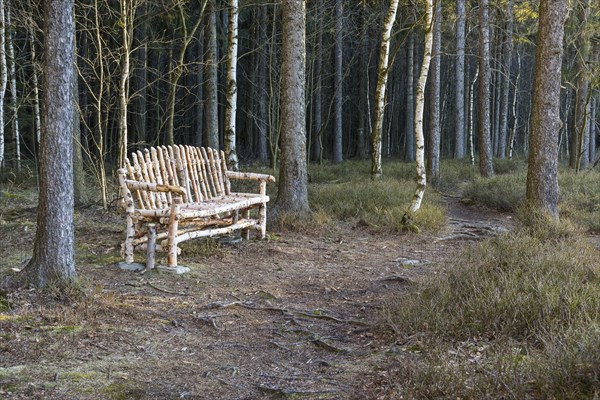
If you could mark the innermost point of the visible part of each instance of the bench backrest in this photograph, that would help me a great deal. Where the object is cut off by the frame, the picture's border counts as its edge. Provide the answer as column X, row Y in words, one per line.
column 201, row 171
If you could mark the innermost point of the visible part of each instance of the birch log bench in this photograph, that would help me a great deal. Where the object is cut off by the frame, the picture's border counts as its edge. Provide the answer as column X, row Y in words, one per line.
column 176, row 193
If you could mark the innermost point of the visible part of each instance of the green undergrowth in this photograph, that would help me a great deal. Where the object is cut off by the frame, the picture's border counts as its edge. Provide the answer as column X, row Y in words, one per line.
column 579, row 199
column 514, row 317
column 346, row 192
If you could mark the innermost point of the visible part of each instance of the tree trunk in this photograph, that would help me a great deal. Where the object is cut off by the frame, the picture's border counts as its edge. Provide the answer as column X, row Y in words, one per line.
column 363, row 71
column 3, row 77
column 53, row 260
column 79, row 178
column 507, row 62
column 262, row 126
column 36, row 91
column 582, row 86
column 485, row 144
column 338, row 85
column 317, row 145
column 231, row 102
column 292, row 196
column 433, row 155
column 592, row 128
column 472, row 117
column 409, row 150
column 14, row 102
column 421, row 177
column 542, row 172
column 459, row 133
column 211, row 95
column 200, row 92
column 126, row 23
column 382, row 77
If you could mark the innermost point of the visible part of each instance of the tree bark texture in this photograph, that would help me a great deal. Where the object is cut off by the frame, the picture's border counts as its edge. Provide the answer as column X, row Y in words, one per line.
column 231, row 102
column 3, row 77
column 292, row 196
column 506, row 68
column 433, row 155
column 409, row 149
column 542, row 172
column 421, row 177
column 459, row 130
column 484, row 94
column 211, row 95
column 53, row 253
column 382, row 77
column 14, row 98
column 338, row 101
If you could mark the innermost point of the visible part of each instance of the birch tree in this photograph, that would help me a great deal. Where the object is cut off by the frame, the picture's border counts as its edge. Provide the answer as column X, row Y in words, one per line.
column 231, row 102
column 382, row 77
column 127, row 8
column 421, row 177
column 14, row 100
column 3, row 77
column 542, row 171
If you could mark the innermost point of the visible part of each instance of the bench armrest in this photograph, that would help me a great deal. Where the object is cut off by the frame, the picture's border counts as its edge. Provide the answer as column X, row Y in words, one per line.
column 250, row 176
column 154, row 187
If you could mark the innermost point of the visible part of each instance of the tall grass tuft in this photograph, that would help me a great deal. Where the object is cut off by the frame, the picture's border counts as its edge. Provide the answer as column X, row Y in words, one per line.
column 515, row 317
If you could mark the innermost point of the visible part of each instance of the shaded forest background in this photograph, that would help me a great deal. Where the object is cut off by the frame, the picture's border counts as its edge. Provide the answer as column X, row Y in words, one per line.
column 164, row 63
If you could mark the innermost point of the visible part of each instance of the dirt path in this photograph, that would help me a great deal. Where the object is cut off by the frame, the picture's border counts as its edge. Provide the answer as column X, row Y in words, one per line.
column 290, row 317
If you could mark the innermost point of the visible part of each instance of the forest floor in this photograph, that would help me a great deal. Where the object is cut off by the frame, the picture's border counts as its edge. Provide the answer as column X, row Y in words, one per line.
column 295, row 316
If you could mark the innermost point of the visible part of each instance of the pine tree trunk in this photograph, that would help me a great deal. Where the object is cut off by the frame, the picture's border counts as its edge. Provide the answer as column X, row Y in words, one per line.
column 542, row 172
column 459, row 132
column 421, row 177
column 36, row 88
column 317, row 145
column 582, row 86
column 200, row 92
column 338, row 80
column 79, row 178
column 141, row 78
column 211, row 95
column 486, row 168
column 53, row 260
column 262, row 126
column 231, row 102
column 292, row 196
column 433, row 155
column 592, row 127
column 507, row 63
column 409, row 150
column 382, row 77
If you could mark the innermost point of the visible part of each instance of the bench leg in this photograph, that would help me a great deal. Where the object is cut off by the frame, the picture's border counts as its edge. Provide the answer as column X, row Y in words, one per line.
column 246, row 232
column 151, row 250
column 262, row 220
column 128, row 244
column 173, row 228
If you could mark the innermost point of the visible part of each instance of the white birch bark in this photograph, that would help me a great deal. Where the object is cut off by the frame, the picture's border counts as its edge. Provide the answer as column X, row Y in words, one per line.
column 421, row 177
column 3, row 77
column 14, row 104
column 382, row 76
column 231, row 102
column 127, row 12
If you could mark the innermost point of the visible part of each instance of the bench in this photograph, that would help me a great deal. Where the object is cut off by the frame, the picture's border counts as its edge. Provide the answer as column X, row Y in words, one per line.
column 172, row 194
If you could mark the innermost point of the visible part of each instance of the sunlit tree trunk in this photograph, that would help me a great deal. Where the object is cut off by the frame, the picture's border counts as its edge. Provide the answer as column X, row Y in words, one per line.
column 14, row 101
column 53, row 260
column 459, row 133
column 421, row 177
column 542, row 172
column 292, row 196
column 433, row 154
column 127, row 8
column 3, row 77
column 484, row 94
column 382, row 77
column 231, row 102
